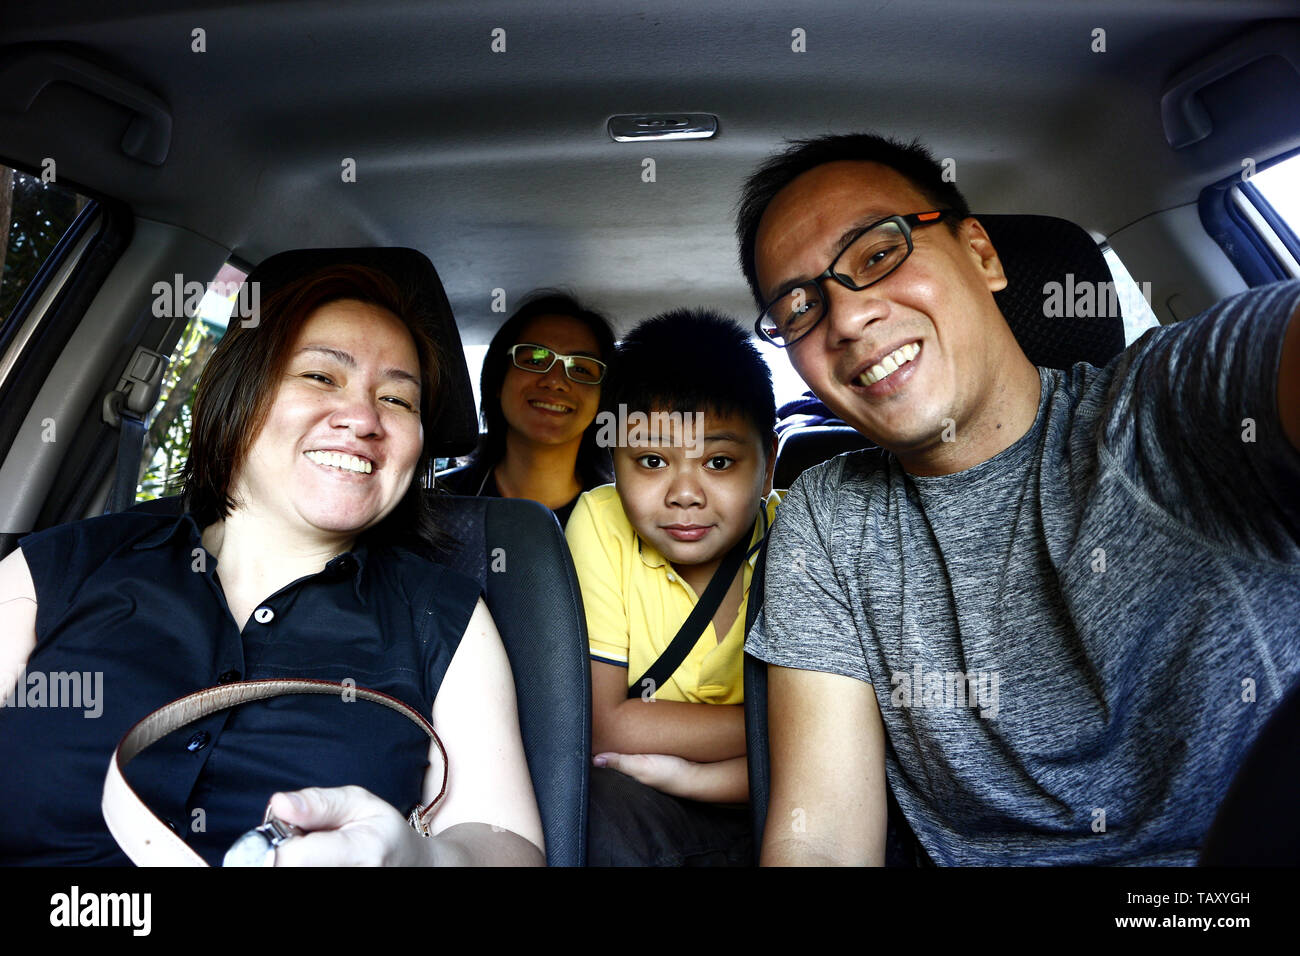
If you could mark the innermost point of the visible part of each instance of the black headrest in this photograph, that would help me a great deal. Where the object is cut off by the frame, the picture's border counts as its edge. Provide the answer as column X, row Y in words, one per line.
column 1036, row 250
column 454, row 429
column 803, row 446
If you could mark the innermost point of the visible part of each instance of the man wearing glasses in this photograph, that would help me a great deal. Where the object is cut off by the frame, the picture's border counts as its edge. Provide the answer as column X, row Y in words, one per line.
column 1053, row 609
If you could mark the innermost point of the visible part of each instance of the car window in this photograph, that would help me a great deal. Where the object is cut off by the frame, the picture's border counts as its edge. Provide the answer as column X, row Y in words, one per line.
column 1270, row 202
column 786, row 383
column 1279, row 186
column 474, row 355
column 34, row 216
column 167, row 440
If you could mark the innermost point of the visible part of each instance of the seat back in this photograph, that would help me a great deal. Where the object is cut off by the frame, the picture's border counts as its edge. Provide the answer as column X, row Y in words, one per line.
column 515, row 549
column 1037, row 251
column 802, row 446
column 758, row 755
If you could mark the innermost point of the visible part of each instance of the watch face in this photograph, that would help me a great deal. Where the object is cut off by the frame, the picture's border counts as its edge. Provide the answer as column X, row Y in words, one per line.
column 257, row 846
column 254, row 848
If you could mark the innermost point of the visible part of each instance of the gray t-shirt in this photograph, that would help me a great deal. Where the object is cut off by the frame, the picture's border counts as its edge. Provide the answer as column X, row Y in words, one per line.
column 1074, row 643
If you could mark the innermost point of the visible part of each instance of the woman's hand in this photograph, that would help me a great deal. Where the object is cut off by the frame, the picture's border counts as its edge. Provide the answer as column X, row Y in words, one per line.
column 349, row 826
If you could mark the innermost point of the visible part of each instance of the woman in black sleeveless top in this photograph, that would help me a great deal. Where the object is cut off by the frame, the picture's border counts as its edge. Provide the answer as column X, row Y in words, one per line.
column 303, row 552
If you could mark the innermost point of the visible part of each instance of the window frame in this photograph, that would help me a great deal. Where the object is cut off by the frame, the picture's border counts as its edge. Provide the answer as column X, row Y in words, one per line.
column 1232, row 211
column 105, row 226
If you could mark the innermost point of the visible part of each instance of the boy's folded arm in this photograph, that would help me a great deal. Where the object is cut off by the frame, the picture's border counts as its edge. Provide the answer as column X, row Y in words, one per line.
column 698, row 732
column 722, row 781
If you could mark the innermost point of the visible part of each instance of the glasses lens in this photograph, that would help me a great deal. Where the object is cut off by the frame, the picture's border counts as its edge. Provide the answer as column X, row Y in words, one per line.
column 533, row 358
column 585, row 370
column 793, row 314
column 873, row 255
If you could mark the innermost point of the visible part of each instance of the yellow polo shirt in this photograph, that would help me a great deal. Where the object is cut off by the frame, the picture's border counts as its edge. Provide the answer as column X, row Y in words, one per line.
column 635, row 603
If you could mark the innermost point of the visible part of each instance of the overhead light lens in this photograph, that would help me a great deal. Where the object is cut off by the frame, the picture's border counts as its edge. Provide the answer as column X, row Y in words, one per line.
column 638, row 127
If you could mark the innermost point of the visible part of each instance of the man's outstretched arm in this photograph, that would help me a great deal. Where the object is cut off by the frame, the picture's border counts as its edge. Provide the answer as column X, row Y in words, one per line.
column 1288, row 383
column 827, row 805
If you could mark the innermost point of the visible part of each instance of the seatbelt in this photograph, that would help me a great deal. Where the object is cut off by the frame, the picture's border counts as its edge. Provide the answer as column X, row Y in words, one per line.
column 130, row 446
column 689, row 633
column 126, row 408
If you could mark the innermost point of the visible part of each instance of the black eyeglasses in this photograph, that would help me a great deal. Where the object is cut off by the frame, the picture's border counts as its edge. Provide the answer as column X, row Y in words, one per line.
column 582, row 369
column 875, row 252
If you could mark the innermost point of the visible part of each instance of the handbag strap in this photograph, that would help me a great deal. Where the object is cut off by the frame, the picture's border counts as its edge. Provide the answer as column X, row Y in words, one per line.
column 689, row 633
column 143, row 836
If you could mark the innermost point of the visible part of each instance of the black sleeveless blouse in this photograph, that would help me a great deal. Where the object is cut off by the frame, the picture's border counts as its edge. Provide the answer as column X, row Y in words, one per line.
column 131, row 616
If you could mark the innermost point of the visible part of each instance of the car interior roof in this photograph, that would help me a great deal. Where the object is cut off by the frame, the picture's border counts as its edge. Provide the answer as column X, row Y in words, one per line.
column 498, row 165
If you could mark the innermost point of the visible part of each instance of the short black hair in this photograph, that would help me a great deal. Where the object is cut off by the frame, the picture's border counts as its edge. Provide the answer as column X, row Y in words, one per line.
column 911, row 160
column 691, row 360
column 593, row 465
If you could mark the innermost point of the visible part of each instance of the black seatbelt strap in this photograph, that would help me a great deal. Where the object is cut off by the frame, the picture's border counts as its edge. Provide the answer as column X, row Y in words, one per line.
column 130, row 446
column 689, row 633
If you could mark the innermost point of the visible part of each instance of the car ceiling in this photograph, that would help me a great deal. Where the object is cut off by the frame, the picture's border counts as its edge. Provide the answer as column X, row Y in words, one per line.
column 499, row 167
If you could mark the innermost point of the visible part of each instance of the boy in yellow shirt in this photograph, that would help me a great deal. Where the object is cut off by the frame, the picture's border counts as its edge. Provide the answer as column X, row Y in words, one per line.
column 664, row 559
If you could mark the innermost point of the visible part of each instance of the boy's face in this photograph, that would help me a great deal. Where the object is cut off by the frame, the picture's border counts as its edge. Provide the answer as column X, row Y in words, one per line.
column 694, row 509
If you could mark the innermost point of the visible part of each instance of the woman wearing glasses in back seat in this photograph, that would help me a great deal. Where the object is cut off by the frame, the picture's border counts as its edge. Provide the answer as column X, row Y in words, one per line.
column 304, row 552
column 540, row 391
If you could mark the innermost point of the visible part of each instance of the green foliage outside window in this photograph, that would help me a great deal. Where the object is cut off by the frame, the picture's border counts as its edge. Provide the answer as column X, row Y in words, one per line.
column 167, row 442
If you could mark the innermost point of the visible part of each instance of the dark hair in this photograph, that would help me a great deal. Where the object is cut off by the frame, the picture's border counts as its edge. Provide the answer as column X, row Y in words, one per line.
column 689, row 360
column 911, row 160
column 593, row 465
column 239, row 383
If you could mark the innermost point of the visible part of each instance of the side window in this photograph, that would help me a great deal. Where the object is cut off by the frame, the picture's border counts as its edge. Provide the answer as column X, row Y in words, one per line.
column 167, row 440
column 474, row 356
column 1254, row 216
column 787, row 386
column 1274, row 192
column 34, row 217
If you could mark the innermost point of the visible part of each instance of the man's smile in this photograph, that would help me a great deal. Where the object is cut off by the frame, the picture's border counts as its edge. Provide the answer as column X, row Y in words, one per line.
column 887, row 371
